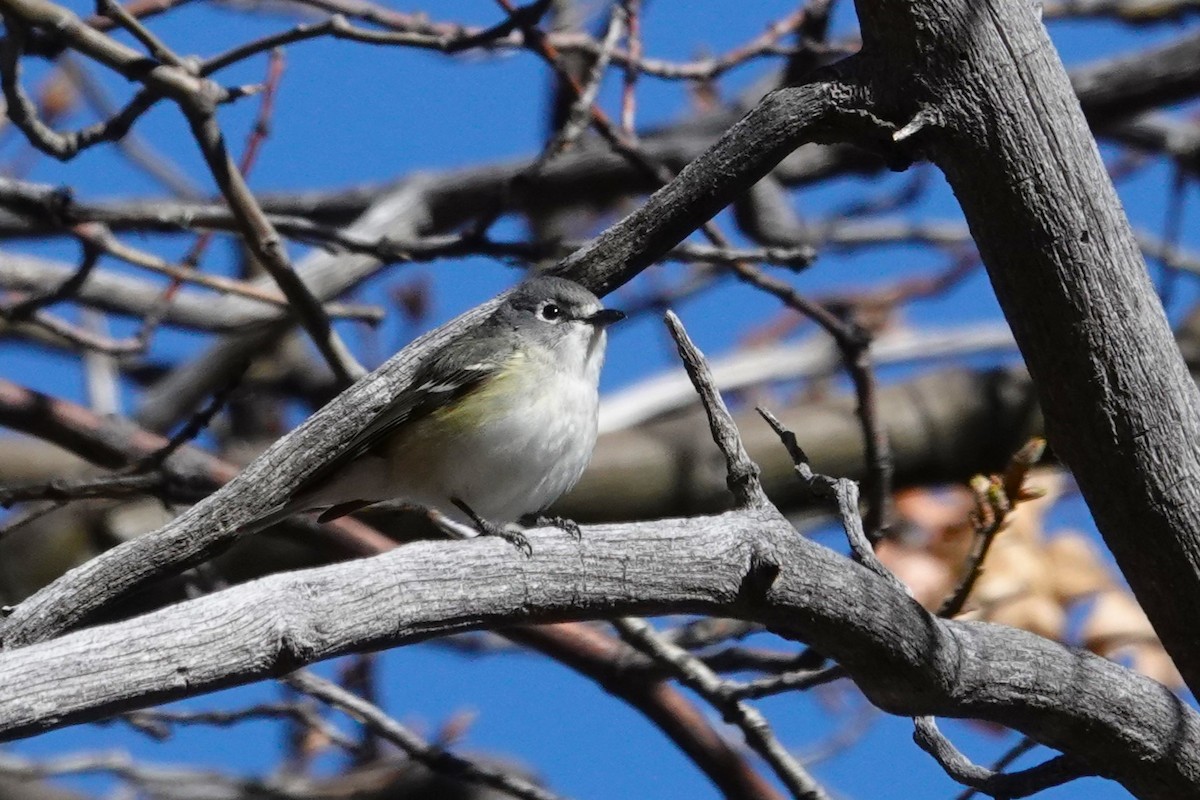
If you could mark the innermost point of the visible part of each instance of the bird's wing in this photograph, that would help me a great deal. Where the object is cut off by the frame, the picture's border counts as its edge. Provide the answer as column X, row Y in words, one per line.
column 459, row 369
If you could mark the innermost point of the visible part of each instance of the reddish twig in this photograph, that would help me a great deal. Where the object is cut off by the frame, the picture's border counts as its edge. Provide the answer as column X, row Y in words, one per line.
column 995, row 498
column 633, row 23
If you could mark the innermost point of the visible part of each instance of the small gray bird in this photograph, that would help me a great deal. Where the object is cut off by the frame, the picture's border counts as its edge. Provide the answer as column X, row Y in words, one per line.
column 497, row 425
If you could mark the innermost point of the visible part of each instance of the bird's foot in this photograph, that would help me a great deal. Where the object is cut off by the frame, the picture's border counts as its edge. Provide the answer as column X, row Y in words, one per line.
column 568, row 526
column 513, row 535
column 509, row 533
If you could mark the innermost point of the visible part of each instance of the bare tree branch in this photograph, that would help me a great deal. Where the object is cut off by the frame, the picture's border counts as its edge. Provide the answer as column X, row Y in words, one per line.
column 1119, row 724
column 754, row 726
column 1055, row 772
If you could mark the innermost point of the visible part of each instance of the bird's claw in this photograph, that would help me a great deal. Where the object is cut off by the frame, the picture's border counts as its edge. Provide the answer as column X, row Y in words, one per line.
column 509, row 533
column 514, row 536
column 568, row 526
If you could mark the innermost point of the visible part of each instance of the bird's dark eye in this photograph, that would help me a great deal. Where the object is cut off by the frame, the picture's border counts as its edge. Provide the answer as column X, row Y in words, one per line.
column 551, row 311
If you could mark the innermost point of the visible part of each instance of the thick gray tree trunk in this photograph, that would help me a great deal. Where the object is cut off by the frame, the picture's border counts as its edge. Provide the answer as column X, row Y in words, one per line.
column 1001, row 121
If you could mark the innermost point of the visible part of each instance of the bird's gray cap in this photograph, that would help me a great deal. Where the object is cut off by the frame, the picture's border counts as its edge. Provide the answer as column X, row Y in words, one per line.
column 575, row 301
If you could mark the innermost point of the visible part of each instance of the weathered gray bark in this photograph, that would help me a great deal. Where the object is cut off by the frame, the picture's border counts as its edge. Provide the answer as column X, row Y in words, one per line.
column 1000, row 119
column 1119, row 724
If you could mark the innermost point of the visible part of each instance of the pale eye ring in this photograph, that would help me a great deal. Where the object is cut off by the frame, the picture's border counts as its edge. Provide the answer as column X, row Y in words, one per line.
column 551, row 312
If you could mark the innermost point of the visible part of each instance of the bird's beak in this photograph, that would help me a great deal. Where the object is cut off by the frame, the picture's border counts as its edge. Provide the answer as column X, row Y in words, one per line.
column 605, row 317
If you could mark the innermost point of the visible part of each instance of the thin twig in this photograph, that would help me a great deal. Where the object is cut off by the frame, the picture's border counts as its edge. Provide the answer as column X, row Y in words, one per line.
column 759, row 659
column 265, row 244
column 158, row 722
column 452, row 38
column 844, row 494
column 699, row 678
column 148, row 778
column 22, row 112
column 155, row 46
column 1023, row 746
column 100, row 236
column 708, row 631
column 1055, row 772
column 194, row 426
column 994, row 500
column 141, row 9
column 577, row 117
column 82, row 338
column 63, row 490
column 26, row 516
column 26, row 309
column 432, row 756
column 740, row 471
column 633, row 25
column 257, row 136
column 139, row 152
column 797, row 680
column 854, row 343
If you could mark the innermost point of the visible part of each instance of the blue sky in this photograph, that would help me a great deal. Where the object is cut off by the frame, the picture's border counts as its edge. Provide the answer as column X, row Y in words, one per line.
column 350, row 114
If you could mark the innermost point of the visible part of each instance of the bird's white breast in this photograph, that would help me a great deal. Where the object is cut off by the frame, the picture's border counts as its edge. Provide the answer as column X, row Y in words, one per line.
column 533, row 434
